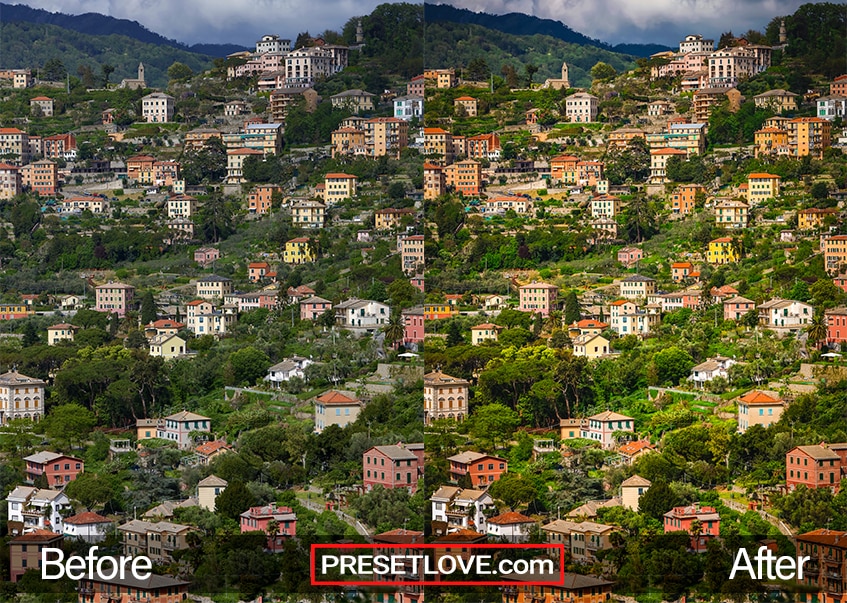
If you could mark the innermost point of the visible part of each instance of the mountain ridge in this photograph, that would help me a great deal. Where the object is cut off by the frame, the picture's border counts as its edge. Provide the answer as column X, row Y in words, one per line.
column 521, row 25
column 97, row 24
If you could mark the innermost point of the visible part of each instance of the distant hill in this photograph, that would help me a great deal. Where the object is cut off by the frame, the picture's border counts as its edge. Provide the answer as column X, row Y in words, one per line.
column 525, row 25
column 99, row 25
column 453, row 45
column 32, row 45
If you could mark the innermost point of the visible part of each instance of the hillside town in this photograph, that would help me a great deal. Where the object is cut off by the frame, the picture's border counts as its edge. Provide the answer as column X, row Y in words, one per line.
column 212, row 315
column 636, row 312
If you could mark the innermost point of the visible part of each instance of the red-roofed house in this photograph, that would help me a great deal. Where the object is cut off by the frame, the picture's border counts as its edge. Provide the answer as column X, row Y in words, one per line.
column 483, row 469
column 335, row 408
column 58, row 469
column 258, row 271
column 25, row 551
column 514, row 527
column 758, row 408
column 681, row 270
column 209, row 450
column 87, row 526
column 819, row 466
column 632, row 451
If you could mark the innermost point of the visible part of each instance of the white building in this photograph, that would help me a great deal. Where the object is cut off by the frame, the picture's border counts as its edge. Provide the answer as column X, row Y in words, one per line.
column 305, row 66
column 713, row 367
column 408, row 107
column 35, row 508
column 287, row 369
column 784, row 315
column 178, row 427
column 696, row 43
column 272, row 43
column 157, row 107
column 88, row 526
column 21, row 397
column 830, row 107
column 581, row 107
column 361, row 316
column 514, row 527
column 461, row 509
column 602, row 426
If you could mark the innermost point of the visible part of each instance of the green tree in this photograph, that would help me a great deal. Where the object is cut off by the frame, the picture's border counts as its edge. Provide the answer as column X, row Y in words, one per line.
column 179, row 71
column 247, row 365
column 92, row 489
column 148, row 308
column 30, row 335
column 69, row 424
column 234, row 500
column 603, row 71
column 658, row 500
column 107, row 70
column 402, row 293
column 395, row 330
column 53, row 70
column 514, row 489
column 672, row 364
column 477, row 70
column 572, row 310
column 817, row 329
column 493, row 424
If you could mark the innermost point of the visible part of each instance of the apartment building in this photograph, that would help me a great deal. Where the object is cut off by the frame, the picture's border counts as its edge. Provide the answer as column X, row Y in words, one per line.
column 178, row 428
column 411, row 253
column 308, row 213
column 808, row 136
column 537, row 298
column 637, row 287
column 391, row 467
column 41, row 176
column 14, row 144
column 659, row 161
column 58, row 469
column 835, row 253
column 729, row 66
column 435, row 183
column 213, row 287
column 731, row 213
column 338, row 187
column 156, row 540
column 818, row 466
column 157, row 107
column 445, row 397
column 581, row 107
column 298, row 251
column 464, row 177
column 113, row 298
column 235, row 163
column 10, row 181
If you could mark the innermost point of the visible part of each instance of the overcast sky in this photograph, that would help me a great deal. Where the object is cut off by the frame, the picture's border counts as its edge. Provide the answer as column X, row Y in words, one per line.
column 220, row 21
column 657, row 21
column 613, row 21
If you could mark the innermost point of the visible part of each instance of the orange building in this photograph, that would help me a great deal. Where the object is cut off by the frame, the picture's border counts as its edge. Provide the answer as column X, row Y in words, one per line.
column 434, row 184
column 575, row 589
column 41, row 176
column 771, row 141
column 25, row 551
column 683, row 199
column 138, row 164
column 563, row 167
column 439, row 144
column 465, row 177
column 155, row 589
column 259, row 201
column 483, row 469
column 809, row 136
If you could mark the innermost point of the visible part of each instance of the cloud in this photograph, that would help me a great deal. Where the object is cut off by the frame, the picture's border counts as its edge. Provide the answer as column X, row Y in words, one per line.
column 659, row 21
column 221, row 21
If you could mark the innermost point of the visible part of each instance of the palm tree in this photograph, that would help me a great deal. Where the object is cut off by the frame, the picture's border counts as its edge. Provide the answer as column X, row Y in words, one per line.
column 817, row 329
column 395, row 330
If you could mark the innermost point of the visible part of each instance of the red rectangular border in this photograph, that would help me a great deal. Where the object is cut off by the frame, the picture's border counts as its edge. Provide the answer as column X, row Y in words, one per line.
column 314, row 582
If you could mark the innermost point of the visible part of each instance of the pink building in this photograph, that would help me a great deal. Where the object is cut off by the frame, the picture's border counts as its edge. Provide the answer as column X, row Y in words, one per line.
column 313, row 307
column 537, row 298
column 113, row 298
column 391, row 467
column 257, row 519
column 680, row 519
column 841, row 281
column 206, row 255
column 628, row 256
column 58, row 469
column 602, row 427
column 418, row 282
column 736, row 307
column 413, row 324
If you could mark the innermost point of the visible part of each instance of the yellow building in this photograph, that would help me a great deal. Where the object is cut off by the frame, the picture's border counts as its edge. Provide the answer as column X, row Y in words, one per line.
column 485, row 332
column 438, row 143
column 447, row 78
column 812, row 219
column 338, row 187
column 761, row 187
column 147, row 428
column 298, row 251
column 468, row 103
column 722, row 251
column 777, row 100
column 730, row 213
column 809, row 136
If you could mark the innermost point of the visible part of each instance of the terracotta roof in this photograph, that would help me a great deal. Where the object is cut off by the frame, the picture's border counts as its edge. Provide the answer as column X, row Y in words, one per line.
column 334, row 397
column 511, row 518
column 207, row 448
column 631, row 448
column 87, row 518
column 762, row 175
column 759, row 397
